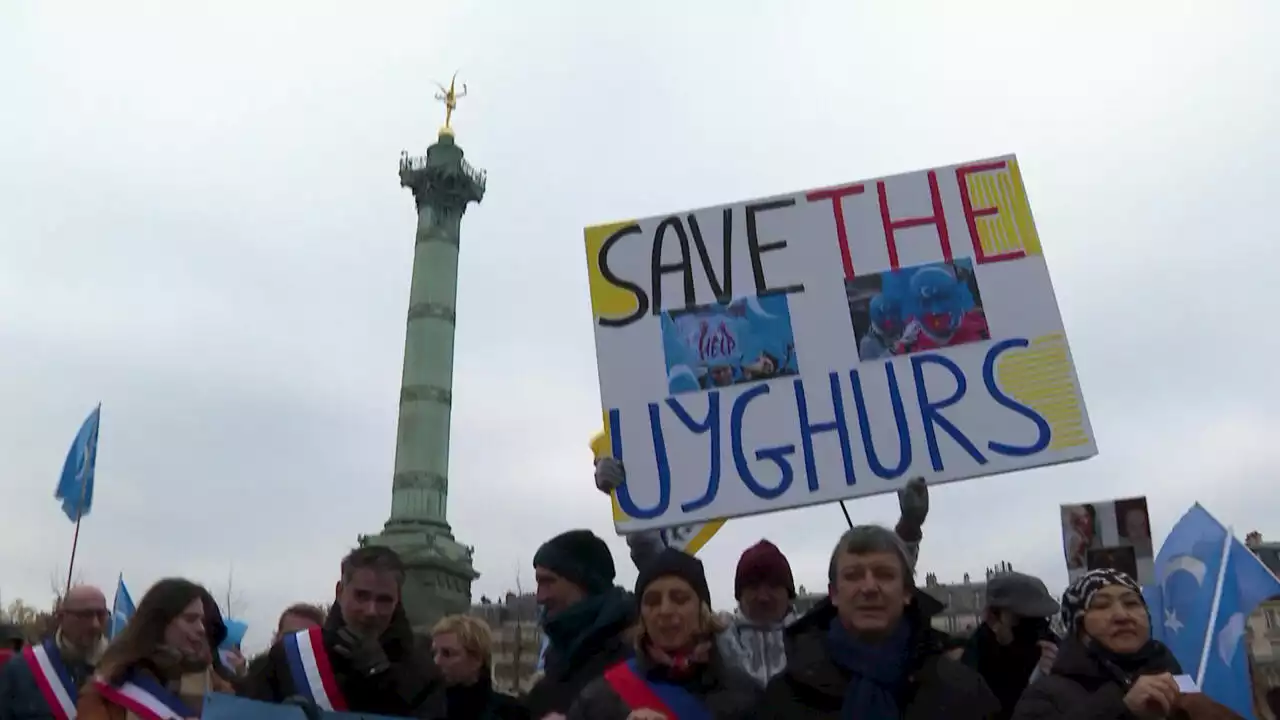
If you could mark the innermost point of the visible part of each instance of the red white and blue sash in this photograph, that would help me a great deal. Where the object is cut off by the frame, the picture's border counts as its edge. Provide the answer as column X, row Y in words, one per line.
column 310, row 670
column 143, row 696
column 55, row 683
column 639, row 693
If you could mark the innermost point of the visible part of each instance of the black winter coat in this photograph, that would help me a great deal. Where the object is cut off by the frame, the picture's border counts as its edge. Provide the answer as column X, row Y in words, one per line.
column 813, row 687
column 1082, row 687
column 727, row 692
column 475, row 702
column 564, row 677
column 409, row 689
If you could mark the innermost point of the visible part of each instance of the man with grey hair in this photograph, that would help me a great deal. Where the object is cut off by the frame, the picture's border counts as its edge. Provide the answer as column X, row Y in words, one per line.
column 868, row 650
column 61, row 664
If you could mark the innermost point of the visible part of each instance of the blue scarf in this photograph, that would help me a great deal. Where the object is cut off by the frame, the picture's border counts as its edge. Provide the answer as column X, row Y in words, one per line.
column 877, row 671
column 577, row 628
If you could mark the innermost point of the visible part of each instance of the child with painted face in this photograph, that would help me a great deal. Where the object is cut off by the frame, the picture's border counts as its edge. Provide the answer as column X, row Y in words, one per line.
column 677, row 671
column 944, row 313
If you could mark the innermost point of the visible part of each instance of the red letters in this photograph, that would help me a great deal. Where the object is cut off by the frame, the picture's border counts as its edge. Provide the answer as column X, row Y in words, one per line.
column 937, row 219
column 837, row 195
column 971, row 214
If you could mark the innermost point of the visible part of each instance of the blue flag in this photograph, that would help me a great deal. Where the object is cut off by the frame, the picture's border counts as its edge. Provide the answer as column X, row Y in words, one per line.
column 235, row 635
column 75, row 486
column 1247, row 583
column 1188, row 570
column 121, row 609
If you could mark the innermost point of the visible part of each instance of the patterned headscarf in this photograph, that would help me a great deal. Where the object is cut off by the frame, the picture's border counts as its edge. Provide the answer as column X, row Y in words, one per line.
column 1079, row 593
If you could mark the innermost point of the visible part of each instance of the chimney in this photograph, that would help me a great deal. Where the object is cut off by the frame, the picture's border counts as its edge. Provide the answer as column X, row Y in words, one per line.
column 966, row 578
column 1253, row 540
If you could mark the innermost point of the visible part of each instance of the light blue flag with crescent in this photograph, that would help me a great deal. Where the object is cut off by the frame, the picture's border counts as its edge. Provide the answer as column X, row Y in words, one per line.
column 75, row 485
column 121, row 609
column 1207, row 584
column 1246, row 584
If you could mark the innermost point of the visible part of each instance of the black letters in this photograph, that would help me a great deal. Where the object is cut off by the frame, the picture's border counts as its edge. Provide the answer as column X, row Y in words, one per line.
column 642, row 300
column 756, row 249
column 723, row 290
column 659, row 269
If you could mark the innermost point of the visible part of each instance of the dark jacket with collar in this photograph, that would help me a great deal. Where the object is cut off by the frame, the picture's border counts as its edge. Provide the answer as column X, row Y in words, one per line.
column 20, row 697
column 605, row 644
column 1082, row 687
column 407, row 689
column 475, row 702
column 727, row 692
column 813, row 687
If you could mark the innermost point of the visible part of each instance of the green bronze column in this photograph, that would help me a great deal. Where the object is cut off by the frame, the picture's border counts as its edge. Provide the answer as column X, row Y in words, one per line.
column 439, row 569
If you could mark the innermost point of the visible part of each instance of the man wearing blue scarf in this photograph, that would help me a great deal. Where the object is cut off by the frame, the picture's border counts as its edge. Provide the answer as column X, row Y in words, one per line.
column 586, row 617
column 868, row 651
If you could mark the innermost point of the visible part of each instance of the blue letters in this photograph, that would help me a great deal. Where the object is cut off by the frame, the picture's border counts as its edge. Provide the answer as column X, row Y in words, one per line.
column 777, row 454
column 899, row 417
column 989, row 378
column 664, row 468
column 929, row 410
column 809, row 429
column 710, row 425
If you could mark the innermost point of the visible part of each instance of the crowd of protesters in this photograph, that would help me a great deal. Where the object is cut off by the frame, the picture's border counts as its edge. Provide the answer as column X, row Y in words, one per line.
column 868, row 651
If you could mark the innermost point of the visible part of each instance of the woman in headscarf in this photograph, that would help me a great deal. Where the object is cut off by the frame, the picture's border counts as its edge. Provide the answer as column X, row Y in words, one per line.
column 161, row 665
column 1108, row 666
column 676, row 672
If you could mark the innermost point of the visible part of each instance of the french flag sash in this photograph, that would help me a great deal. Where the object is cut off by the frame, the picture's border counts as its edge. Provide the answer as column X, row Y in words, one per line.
column 310, row 670
column 640, row 693
column 52, row 678
column 143, row 696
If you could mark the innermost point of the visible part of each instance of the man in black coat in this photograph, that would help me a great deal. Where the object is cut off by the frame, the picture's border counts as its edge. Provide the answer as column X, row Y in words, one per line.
column 587, row 619
column 869, row 649
column 365, row 658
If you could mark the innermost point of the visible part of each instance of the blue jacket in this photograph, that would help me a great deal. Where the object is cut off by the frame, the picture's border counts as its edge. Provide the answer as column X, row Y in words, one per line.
column 20, row 697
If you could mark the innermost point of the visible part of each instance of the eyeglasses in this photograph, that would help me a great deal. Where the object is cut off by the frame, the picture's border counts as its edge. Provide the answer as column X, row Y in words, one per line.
column 88, row 613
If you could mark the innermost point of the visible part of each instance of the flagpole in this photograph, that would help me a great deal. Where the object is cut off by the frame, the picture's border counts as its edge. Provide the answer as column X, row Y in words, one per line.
column 1213, row 611
column 115, row 598
column 84, row 489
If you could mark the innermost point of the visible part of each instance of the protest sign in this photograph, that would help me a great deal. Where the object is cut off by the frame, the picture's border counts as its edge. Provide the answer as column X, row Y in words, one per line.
column 830, row 344
column 218, row 706
column 1111, row 534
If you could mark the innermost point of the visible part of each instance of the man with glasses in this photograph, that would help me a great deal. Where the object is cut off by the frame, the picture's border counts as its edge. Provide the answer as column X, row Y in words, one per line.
column 42, row 682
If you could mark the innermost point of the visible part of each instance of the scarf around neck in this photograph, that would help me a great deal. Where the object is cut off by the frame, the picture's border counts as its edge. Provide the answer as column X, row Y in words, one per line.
column 570, row 629
column 1151, row 659
column 877, row 671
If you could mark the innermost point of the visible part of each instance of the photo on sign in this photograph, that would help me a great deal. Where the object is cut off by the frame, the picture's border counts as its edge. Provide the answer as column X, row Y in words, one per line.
column 1110, row 534
column 926, row 307
column 1113, row 558
column 719, row 345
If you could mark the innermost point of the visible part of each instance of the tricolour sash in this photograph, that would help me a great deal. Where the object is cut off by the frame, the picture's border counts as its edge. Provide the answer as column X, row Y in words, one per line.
column 641, row 694
column 55, row 684
column 143, row 696
column 310, row 670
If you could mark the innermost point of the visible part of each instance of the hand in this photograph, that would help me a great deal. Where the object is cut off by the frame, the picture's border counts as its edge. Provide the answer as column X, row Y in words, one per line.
column 646, row 714
column 1152, row 696
column 1048, row 654
column 913, row 502
column 366, row 654
column 609, row 474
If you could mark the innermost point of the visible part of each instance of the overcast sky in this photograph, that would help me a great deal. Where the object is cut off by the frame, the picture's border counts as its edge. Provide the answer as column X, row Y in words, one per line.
column 201, row 227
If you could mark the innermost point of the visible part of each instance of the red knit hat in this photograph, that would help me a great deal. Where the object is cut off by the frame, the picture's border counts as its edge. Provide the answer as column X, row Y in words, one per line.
column 763, row 563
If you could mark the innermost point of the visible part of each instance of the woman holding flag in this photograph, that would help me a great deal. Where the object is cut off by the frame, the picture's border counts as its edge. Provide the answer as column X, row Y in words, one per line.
column 161, row 666
column 676, row 672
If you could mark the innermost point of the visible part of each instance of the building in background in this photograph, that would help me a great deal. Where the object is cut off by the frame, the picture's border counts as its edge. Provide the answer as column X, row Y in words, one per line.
column 963, row 601
column 517, row 640
column 1264, row 628
column 439, row 569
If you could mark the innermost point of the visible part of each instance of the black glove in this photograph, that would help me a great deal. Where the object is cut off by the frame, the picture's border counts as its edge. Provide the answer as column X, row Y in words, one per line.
column 365, row 654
